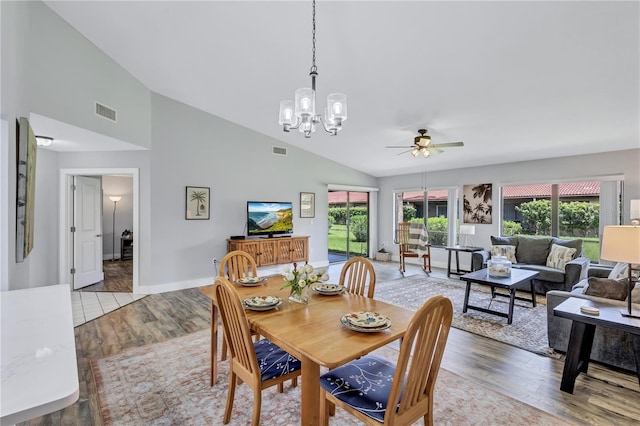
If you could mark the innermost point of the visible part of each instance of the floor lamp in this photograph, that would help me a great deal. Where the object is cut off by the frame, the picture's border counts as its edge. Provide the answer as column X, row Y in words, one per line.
column 115, row 199
column 622, row 244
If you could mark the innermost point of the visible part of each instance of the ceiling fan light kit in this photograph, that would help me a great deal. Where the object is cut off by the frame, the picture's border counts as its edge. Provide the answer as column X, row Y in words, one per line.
column 301, row 114
column 422, row 144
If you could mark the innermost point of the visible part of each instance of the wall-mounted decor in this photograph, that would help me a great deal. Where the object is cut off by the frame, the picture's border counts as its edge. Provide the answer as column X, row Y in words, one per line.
column 307, row 204
column 477, row 203
column 197, row 203
column 25, row 203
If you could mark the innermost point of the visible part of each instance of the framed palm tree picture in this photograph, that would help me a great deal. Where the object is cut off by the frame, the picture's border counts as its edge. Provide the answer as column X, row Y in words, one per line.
column 197, row 203
column 477, row 203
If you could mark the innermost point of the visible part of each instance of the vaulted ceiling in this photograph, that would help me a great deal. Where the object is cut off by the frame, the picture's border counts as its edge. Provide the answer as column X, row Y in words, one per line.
column 514, row 80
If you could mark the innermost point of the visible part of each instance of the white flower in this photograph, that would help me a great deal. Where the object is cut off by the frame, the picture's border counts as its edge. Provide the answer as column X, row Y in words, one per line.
column 313, row 278
column 307, row 269
column 324, row 277
column 289, row 276
column 285, row 270
column 302, row 283
column 321, row 271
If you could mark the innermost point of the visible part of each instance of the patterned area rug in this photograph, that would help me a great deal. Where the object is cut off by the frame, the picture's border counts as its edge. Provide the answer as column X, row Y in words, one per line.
column 529, row 327
column 168, row 384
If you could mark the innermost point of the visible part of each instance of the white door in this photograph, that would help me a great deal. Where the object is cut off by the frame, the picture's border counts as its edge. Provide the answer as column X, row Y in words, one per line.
column 87, row 238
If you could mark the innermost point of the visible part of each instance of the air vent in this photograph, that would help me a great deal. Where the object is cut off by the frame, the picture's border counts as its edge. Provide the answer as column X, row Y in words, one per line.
column 106, row 112
column 279, row 150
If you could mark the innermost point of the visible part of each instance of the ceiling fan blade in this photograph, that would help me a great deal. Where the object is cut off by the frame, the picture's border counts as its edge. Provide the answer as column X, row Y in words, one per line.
column 403, row 146
column 434, row 150
column 404, row 152
column 445, row 145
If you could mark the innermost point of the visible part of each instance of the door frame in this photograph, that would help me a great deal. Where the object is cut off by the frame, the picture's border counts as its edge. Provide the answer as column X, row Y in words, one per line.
column 66, row 218
column 373, row 211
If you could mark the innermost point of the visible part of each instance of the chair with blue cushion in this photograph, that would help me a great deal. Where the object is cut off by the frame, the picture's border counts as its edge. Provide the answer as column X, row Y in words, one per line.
column 377, row 391
column 260, row 364
column 358, row 275
column 234, row 266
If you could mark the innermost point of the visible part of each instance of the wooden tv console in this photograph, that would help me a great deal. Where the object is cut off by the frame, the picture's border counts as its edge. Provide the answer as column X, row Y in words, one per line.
column 273, row 251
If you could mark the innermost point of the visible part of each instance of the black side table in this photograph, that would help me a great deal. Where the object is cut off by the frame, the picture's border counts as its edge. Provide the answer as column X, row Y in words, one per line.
column 457, row 250
column 582, row 331
column 126, row 248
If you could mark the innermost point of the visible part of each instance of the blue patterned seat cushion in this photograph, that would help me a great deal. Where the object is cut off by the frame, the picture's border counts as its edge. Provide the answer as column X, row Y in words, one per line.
column 273, row 360
column 364, row 384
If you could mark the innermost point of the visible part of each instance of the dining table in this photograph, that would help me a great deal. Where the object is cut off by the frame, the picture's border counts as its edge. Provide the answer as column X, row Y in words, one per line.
column 313, row 332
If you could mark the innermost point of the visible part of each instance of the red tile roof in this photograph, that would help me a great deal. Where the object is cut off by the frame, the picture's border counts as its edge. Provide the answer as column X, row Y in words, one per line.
column 576, row 189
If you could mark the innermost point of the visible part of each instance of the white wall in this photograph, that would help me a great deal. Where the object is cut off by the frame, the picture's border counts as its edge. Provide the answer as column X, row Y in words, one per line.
column 619, row 163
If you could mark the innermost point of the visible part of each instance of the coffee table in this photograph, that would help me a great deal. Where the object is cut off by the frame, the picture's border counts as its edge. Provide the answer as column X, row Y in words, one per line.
column 511, row 283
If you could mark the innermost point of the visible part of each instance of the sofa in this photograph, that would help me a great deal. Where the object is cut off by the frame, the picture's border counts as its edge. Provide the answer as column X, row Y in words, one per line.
column 611, row 347
column 535, row 254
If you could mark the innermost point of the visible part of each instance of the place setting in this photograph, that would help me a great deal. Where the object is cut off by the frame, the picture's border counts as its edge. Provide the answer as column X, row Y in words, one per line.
column 328, row 289
column 366, row 322
column 261, row 303
column 251, row 281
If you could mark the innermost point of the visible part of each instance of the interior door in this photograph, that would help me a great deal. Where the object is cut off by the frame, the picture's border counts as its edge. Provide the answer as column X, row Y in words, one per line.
column 87, row 237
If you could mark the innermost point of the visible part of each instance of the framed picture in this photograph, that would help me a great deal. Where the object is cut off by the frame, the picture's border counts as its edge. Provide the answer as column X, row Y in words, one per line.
column 477, row 203
column 197, row 203
column 26, row 191
column 307, row 204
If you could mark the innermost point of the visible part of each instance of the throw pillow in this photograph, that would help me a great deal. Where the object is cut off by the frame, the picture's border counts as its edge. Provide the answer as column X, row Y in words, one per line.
column 607, row 288
column 576, row 244
column 621, row 270
column 505, row 250
column 559, row 256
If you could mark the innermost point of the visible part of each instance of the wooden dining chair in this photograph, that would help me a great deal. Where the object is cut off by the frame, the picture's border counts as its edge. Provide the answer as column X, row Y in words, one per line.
column 236, row 265
column 412, row 241
column 260, row 364
column 358, row 275
column 376, row 391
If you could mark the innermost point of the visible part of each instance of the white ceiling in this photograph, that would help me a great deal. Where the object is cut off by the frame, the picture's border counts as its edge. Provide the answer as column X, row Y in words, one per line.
column 513, row 80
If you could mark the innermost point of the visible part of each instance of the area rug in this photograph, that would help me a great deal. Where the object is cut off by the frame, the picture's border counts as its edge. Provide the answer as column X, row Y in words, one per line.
column 527, row 331
column 168, row 384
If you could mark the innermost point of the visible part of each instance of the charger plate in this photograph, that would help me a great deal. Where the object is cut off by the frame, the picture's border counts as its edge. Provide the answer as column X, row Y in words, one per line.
column 261, row 303
column 251, row 281
column 345, row 322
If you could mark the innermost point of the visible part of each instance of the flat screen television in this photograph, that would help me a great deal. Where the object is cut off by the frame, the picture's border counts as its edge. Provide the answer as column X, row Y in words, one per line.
column 267, row 219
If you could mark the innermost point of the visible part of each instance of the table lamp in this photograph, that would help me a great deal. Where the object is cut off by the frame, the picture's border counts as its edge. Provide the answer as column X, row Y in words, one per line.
column 465, row 231
column 622, row 244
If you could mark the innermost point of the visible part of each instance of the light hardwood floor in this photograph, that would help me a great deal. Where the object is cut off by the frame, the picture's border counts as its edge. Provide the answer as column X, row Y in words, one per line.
column 603, row 397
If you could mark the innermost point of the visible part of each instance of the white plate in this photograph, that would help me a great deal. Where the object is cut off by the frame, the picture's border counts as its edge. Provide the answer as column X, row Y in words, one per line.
column 251, row 281
column 350, row 326
column 328, row 289
column 261, row 301
column 366, row 319
column 261, row 309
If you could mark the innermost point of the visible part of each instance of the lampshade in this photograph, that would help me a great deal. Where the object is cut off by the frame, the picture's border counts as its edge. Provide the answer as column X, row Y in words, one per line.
column 467, row 230
column 115, row 198
column 621, row 244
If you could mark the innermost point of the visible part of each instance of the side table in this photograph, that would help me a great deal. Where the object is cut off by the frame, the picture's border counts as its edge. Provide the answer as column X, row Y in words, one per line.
column 457, row 250
column 582, row 331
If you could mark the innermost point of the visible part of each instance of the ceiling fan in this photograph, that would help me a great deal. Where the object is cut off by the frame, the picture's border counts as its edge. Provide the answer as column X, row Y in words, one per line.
column 422, row 144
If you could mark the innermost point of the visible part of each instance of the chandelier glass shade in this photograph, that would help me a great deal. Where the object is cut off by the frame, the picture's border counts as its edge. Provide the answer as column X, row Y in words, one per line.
column 301, row 113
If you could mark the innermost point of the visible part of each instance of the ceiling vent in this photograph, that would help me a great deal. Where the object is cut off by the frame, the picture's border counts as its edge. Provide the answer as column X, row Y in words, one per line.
column 279, row 151
column 106, row 112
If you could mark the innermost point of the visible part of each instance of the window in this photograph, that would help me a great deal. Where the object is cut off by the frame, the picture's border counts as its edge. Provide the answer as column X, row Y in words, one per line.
column 431, row 207
column 564, row 210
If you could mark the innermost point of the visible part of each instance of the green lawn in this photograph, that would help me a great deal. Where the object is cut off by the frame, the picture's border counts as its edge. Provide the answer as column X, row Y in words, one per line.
column 337, row 241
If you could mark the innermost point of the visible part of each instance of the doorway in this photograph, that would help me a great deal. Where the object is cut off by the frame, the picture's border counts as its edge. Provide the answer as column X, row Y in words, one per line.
column 348, row 225
column 114, row 236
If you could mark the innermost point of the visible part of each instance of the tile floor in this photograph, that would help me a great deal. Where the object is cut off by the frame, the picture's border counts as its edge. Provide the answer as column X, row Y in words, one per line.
column 88, row 305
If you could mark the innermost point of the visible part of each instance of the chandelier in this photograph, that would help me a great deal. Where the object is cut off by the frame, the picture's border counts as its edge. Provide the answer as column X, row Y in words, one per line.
column 301, row 114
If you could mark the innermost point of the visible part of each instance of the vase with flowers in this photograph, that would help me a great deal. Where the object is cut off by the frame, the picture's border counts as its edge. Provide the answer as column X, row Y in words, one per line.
column 299, row 279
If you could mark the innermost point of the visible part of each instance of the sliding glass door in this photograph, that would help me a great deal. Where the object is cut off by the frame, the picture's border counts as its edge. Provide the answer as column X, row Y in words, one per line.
column 348, row 225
